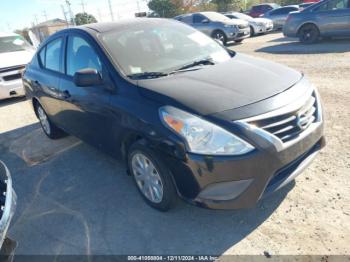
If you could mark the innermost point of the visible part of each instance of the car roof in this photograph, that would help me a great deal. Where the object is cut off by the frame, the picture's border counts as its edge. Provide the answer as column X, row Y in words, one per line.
column 3, row 34
column 120, row 25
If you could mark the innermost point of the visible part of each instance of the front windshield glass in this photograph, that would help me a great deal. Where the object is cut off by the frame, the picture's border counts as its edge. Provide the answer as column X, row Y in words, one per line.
column 158, row 47
column 243, row 16
column 214, row 16
column 13, row 44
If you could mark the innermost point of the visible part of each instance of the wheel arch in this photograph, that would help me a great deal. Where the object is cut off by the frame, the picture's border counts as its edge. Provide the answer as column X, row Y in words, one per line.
column 308, row 23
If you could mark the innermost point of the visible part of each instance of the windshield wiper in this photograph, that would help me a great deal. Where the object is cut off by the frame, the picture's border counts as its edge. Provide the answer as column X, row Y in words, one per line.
column 147, row 75
column 205, row 61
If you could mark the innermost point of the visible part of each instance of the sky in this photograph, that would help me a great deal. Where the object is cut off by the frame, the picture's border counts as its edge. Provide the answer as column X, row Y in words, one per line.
column 17, row 14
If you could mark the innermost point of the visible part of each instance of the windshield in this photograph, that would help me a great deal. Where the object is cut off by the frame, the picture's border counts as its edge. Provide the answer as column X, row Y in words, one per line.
column 162, row 47
column 13, row 44
column 243, row 16
column 214, row 16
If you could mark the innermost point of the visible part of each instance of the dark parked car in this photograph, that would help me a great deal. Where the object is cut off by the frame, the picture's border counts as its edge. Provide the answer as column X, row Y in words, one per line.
column 279, row 15
column 259, row 10
column 328, row 18
column 217, row 26
column 181, row 110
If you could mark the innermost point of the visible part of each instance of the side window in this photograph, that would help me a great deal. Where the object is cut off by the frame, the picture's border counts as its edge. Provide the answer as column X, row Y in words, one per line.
column 81, row 55
column 198, row 18
column 333, row 5
column 53, row 55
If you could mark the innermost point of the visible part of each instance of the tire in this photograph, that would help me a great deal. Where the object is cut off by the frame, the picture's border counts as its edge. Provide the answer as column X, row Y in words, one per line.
column 220, row 36
column 154, row 182
column 239, row 41
column 50, row 129
column 308, row 34
column 252, row 33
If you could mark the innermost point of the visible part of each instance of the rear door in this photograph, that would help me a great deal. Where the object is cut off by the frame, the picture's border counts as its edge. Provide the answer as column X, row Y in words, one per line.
column 85, row 111
column 334, row 17
column 46, row 78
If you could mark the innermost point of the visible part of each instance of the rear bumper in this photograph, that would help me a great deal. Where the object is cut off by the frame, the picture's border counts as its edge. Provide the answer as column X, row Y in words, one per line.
column 220, row 182
column 7, row 200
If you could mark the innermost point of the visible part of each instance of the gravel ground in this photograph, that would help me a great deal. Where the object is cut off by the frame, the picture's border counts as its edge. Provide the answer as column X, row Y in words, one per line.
column 72, row 199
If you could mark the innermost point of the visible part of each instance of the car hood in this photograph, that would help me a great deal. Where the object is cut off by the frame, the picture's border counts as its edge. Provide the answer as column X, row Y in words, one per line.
column 262, row 20
column 15, row 58
column 241, row 81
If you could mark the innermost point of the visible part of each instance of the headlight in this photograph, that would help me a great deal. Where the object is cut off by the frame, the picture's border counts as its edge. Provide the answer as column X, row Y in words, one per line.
column 203, row 137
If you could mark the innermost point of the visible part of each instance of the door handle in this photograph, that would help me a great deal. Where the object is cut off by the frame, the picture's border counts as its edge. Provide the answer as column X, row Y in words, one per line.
column 66, row 94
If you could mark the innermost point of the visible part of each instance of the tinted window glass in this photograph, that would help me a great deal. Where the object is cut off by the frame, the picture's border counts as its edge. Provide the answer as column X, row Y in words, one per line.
column 81, row 55
column 198, row 18
column 53, row 54
column 334, row 4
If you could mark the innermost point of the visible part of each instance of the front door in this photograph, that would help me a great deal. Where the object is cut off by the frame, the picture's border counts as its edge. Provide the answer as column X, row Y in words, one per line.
column 85, row 111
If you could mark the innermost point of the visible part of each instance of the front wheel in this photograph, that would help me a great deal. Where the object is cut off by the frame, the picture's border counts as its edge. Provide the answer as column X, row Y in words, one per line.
column 309, row 34
column 220, row 36
column 152, row 178
column 252, row 33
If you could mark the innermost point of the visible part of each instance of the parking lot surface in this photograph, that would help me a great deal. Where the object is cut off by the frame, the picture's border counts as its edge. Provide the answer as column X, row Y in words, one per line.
column 73, row 199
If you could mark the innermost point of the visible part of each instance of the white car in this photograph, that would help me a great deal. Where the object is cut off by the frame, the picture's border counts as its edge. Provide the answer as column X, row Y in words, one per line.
column 257, row 25
column 15, row 53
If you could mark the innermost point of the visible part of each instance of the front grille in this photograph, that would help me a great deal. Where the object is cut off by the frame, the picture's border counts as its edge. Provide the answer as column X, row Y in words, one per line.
column 12, row 77
column 290, row 125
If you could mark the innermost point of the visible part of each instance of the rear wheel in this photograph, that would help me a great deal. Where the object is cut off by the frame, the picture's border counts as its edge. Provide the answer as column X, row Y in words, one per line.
column 220, row 36
column 309, row 34
column 152, row 178
column 50, row 129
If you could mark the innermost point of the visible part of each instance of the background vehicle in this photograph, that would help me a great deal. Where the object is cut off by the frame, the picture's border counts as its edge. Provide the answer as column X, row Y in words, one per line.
column 279, row 15
column 305, row 5
column 257, row 25
column 258, row 10
column 217, row 26
column 180, row 109
column 329, row 18
column 15, row 53
column 8, row 206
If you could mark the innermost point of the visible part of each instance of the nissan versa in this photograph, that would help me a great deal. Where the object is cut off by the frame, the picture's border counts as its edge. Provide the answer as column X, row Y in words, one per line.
column 189, row 117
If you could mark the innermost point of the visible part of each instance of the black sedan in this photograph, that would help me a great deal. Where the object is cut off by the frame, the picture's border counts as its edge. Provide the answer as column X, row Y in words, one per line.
column 189, row 117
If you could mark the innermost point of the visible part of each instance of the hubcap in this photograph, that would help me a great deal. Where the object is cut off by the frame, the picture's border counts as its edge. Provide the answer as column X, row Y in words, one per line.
column 147, row 178
column 219, row 37
column 43, row 120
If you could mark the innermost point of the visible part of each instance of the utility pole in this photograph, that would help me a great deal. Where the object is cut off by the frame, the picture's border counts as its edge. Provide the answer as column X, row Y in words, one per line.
column 70, row 12
column 45, row 15
column 36, row 19
column 82, row 3
column 111, row 10
column 64, row 14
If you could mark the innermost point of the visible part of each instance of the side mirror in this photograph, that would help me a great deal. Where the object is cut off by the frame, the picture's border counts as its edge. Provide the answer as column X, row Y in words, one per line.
column 87, row 77
column 205, row 21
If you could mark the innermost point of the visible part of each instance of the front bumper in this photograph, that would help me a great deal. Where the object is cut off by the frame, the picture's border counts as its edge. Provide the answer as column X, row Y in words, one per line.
column 7, row 201
column 261, row 29
column 11, row 89
column 238, row 35
column 230, row 182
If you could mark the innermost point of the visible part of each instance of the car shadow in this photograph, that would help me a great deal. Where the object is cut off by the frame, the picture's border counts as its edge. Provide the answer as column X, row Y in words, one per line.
column 77, row 200
column 10, row 101
column 287, row 46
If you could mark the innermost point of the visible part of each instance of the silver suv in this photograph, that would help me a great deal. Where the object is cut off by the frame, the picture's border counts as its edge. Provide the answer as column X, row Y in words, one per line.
column 328, row 18
column 217, row 26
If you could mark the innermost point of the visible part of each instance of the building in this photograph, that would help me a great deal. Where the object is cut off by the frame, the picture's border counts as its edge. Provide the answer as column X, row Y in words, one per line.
column 49, row 27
